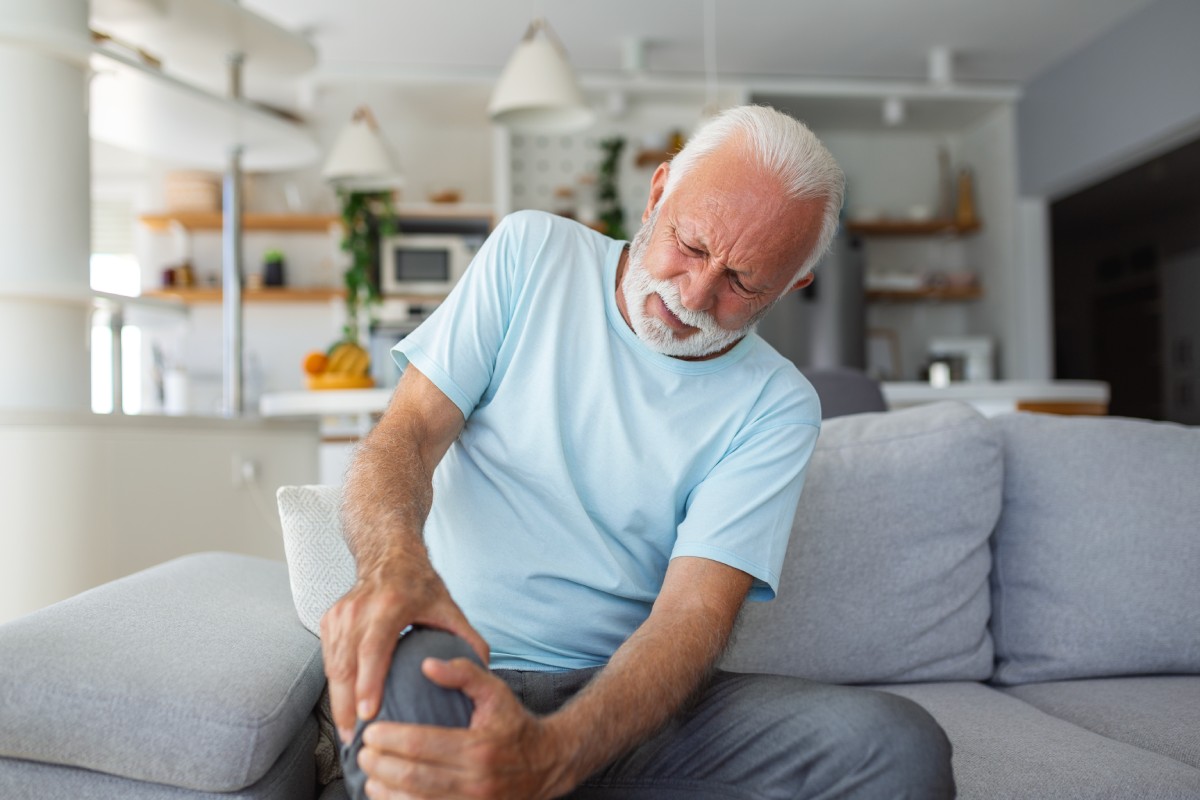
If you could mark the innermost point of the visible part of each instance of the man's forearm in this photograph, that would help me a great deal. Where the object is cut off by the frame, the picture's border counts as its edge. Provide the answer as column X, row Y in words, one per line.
column 647, row 681
column 387, row 497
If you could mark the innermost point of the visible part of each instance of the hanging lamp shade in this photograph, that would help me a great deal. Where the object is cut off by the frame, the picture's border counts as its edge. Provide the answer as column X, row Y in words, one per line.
column 359, row 158
column 537, row 90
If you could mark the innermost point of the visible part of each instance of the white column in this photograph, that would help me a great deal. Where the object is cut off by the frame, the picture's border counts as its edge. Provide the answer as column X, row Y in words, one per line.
column 44, row 205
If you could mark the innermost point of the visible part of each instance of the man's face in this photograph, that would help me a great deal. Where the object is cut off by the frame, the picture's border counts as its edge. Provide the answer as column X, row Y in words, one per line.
column 713, row 257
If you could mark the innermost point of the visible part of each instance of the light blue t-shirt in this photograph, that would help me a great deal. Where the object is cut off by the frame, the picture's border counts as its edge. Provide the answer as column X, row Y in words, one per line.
column 588, row 461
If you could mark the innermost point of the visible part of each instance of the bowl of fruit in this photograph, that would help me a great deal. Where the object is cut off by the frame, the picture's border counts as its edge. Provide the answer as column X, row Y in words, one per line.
column 346, row 365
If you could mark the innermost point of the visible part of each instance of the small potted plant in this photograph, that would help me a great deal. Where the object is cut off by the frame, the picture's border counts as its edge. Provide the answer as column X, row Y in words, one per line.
column 274, row 268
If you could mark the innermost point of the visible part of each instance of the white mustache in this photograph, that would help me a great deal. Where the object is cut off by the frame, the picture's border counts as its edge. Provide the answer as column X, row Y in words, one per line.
column 669, row 293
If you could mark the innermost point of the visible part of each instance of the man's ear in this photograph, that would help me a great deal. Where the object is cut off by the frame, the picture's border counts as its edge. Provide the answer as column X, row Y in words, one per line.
column 657, row 184
column 800, row 284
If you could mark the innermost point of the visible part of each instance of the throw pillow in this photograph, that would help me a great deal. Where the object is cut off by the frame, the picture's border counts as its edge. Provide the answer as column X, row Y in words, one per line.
column 886, row 577
column 320, row 566
column 1097, row 551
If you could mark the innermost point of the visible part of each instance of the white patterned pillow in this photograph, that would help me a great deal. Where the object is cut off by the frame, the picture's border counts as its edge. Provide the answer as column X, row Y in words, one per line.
column 320, row 565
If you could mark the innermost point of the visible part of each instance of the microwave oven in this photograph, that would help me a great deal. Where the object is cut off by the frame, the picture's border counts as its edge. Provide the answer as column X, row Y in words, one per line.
column 422, row 264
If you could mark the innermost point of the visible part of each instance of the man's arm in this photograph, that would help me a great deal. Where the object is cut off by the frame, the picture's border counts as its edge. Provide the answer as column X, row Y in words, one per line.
column 658, row 668
column 508, row 753
column 388, row 494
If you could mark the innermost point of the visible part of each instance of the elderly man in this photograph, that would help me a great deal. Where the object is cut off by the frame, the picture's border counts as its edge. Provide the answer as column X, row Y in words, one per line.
column 590, row 463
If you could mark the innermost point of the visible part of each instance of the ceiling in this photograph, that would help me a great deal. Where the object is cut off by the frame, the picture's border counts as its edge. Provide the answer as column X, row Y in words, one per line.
column 1007, row 41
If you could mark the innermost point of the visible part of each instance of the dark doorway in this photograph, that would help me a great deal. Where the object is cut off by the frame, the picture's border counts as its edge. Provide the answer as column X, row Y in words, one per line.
column 1126, row 306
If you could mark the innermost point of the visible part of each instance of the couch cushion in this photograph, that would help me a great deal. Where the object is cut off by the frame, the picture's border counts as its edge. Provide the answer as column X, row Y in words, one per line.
column 886, row 577
column 1097, row 552
column 1160, row 713
column 1005, row 749
column 194, row 673
column 320, row 566
column 289, row 778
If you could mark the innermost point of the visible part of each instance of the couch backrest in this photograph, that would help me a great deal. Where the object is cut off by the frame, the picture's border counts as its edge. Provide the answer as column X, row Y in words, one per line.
column 1097, row 550
column 886, row 577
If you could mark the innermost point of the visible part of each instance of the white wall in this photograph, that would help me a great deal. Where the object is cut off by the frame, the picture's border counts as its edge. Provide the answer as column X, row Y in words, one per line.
column 1009, row 311
column 540, row 163
column 1128, row 95
column 88, row 499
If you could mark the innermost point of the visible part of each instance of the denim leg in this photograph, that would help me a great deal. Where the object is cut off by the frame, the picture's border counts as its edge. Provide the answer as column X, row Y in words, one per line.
column 408, row 696
column 765, row 737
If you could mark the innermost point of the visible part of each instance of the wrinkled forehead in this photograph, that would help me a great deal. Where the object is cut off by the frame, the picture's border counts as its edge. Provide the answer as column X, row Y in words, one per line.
column 740, row 206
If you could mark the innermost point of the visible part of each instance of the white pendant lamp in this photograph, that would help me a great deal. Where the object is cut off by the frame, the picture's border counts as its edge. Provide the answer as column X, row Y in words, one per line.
column 537, row 91
column 359, row 158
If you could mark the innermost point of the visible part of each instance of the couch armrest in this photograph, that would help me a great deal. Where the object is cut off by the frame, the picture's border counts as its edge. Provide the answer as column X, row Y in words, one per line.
column 195, row 673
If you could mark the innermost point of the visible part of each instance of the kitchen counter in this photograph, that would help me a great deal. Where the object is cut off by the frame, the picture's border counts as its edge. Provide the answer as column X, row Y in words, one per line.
column 991, row 397
column 999, row 397
column 327, row 402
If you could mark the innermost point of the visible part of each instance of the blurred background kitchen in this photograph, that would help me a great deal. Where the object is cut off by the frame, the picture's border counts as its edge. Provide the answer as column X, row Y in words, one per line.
column 1021, row 230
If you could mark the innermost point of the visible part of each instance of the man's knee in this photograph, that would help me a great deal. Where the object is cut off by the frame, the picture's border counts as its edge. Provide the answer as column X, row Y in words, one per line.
column 409, row 696
column 908, row 740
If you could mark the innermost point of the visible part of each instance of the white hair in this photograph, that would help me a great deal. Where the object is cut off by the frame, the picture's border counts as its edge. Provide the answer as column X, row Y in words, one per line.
column 783, row 146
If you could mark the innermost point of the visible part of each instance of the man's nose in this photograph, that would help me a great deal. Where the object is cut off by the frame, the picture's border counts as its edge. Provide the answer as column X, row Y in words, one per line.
column 698, row 288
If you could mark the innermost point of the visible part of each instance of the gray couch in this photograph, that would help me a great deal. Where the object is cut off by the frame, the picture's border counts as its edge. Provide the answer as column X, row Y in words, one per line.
column 1033, row 581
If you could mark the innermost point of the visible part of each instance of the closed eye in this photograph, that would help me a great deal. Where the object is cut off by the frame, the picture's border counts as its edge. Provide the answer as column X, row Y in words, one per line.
column 736, row 280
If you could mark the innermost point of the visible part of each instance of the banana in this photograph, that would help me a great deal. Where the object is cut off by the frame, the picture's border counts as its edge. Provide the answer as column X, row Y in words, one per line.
column 348, row 358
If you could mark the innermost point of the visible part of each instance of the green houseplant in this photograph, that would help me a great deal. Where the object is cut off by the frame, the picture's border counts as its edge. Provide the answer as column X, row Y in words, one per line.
column 366, row 216
column 607, row 192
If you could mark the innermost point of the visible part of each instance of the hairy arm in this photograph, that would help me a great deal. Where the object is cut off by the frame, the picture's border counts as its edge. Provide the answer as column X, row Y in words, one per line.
column 508, row 753
column 654, row 673
column 387, row 497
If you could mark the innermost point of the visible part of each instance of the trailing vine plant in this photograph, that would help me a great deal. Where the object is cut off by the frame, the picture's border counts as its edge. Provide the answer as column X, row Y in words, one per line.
column 367, row 216
column 608, row 195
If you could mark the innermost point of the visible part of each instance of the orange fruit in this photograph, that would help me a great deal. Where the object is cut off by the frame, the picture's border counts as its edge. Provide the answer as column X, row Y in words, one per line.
column 315, row 363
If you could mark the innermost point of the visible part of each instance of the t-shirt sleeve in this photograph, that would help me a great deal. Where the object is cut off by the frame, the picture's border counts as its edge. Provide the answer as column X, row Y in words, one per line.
column 741, row 514
column 456, row 347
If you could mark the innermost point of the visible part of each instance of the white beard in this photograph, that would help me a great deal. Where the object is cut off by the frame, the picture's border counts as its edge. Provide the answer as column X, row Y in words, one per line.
column 638, row 284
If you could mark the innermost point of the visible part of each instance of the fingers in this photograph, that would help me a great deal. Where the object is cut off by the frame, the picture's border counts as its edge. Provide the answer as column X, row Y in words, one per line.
column 427, row 744
column 450, row 618
column 459, row 673
column 358, row 638
column 359, row 635
column 477, row 643
column 340, row 667
column 374, row 659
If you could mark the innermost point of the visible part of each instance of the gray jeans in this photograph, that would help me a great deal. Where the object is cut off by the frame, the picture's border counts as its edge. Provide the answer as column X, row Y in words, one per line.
column 757, row 737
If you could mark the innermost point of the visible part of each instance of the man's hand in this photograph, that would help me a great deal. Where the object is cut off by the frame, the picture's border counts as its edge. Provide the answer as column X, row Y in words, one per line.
column 506, row 753
column 359, row 634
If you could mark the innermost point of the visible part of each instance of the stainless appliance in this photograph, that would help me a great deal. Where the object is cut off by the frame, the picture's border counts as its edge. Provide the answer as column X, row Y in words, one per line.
column 969, row 358
column 423, row 263
column 825, row 324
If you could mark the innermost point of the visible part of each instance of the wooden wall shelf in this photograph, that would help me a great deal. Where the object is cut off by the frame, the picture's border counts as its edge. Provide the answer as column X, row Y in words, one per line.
column 933, row 227
column 941, row 293
column 212, row 221
column 282, row 294
column 652, row 158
